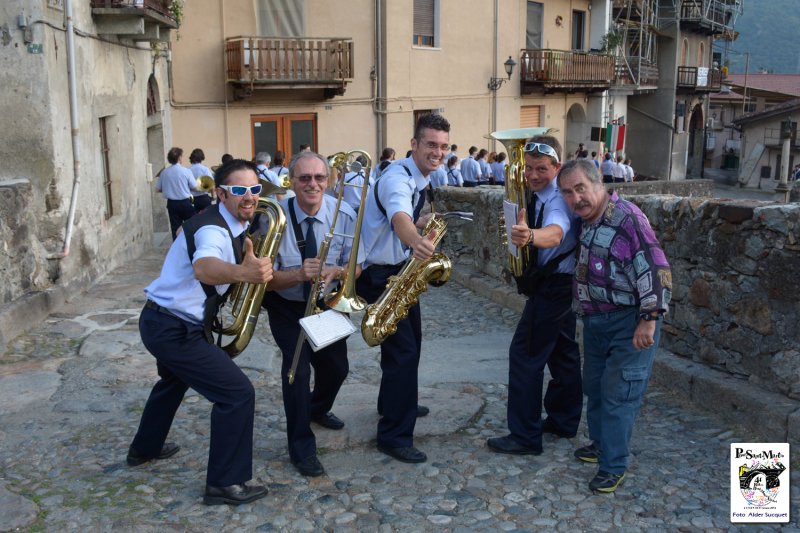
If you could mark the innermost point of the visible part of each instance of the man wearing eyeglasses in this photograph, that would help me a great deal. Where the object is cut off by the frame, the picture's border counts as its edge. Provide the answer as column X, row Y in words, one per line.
column 390, row 234
column 175, row 325
column 310, row 214
column 545, row 334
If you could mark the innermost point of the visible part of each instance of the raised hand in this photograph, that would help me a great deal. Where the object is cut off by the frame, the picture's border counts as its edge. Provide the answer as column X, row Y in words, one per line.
column 520, row 232
column 423, row 248
column 254, row 269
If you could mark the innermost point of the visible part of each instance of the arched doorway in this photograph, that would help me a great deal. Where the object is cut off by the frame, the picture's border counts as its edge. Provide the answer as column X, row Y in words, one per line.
column 156, row 153
column 695, row 155
column 578, row 130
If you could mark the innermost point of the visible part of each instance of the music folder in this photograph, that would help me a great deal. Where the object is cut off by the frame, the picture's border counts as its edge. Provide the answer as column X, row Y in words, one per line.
column 323, row 329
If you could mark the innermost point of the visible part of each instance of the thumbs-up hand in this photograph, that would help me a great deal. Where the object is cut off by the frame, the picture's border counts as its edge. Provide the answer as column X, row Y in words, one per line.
column 256, row 270
column 520, row 232
column 423, row 248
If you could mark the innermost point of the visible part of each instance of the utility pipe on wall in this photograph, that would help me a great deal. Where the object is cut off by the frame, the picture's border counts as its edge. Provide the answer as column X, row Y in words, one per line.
column 74, row 125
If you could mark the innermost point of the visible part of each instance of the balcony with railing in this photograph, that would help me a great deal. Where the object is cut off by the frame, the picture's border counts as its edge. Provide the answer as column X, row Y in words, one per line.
column 254, row 63
column 637, row 72
column 710, row 16
column 698, row 79
column 563, row 71
column 138, row 20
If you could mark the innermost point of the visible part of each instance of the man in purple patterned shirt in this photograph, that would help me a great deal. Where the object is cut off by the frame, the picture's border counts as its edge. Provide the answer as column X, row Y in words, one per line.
column 622, row 287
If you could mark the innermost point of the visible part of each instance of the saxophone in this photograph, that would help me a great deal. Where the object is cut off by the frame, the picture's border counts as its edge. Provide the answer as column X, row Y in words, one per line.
column 403, row 290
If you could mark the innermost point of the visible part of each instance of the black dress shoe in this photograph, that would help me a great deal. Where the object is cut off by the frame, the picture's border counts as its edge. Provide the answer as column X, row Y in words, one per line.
column 509, row 445
column 422, row 411
column 135, row 458
column 329, row 420
column 310, row 467
column 234, row 494
column 406, row 455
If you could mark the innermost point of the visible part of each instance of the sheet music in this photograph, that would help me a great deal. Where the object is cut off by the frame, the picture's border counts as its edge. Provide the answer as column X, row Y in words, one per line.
column 326, row 328
column 510, row 214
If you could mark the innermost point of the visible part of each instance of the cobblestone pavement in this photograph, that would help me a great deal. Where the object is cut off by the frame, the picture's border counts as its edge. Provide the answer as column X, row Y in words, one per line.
column 73, row 390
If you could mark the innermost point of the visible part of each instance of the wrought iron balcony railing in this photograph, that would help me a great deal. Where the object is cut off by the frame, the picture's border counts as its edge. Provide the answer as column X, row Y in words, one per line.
column 565, row 71
column 289, row 62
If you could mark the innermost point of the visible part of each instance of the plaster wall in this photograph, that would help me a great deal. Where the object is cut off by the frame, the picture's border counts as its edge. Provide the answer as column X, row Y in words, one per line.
column 36, row 180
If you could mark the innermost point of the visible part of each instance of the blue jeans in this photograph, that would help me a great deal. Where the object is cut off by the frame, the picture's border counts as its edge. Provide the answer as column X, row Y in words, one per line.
column 615, row 378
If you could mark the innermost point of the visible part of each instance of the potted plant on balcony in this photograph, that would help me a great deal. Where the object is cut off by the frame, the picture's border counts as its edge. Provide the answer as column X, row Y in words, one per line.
column 611, row 41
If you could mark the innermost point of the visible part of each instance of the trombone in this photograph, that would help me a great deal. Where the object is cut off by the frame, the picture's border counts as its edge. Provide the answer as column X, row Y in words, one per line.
column 345, row 300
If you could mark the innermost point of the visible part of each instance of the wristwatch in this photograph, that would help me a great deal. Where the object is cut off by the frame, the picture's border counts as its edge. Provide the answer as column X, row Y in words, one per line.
column 648, row 317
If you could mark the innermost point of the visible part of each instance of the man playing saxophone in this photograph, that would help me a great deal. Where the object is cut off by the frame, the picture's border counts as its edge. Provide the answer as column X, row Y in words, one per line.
column 175, row 325
column 545, row 334
column 389, row 235
column 310, row 213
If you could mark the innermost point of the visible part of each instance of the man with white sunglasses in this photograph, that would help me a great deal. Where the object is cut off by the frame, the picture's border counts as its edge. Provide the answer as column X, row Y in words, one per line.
column 545, row 334
column 206, row 258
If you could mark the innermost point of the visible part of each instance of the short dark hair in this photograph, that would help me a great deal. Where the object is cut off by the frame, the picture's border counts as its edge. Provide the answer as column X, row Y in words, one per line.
column 174, row 154
column 501, row 157
column 223, row 173
column 432, row 121
column 453, row 147
column 482, row 153
column 387, row 153
column 279, row 158
column 472, row 150
column 453, row 161
column 226, row 158
column 197, row 156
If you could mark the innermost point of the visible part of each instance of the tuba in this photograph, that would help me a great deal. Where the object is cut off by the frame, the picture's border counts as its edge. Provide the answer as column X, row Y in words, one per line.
column 205, row 184
column 403, row 290
column 266, row 231
column 346, row 300
column 514, row 141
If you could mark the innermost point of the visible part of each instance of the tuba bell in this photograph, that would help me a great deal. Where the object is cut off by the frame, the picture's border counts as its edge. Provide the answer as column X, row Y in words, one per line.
column 266, row 231
column 515, row 188
column 205, row 184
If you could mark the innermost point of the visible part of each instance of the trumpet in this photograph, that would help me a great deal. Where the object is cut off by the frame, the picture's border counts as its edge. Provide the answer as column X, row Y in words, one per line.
column 345, row 300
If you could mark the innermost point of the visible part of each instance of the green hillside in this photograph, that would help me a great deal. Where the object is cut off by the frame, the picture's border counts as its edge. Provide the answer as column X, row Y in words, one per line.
column 770, row 31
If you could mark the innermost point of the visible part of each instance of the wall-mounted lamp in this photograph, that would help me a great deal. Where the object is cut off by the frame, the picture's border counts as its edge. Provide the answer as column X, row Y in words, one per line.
column 495, row 83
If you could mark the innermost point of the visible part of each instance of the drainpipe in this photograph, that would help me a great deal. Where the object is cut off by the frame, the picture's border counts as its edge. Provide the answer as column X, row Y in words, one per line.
column 225, row 66
column 494, row 68
column 73, row 117
column 380, row 122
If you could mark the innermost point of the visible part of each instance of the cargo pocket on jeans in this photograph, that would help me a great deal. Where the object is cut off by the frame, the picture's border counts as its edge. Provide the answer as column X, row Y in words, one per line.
column 634, row 381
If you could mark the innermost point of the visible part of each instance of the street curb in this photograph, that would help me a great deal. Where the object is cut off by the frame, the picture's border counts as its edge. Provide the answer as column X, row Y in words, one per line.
column 765, row 415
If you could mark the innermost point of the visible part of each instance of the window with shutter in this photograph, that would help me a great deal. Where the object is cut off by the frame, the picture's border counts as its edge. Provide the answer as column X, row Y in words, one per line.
column 425, row 13
column 530, row 116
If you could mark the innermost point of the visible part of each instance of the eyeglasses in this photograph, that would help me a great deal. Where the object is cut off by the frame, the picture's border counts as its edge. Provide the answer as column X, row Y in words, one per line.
column 544, row 149
column 305, row 178
column 241, row 190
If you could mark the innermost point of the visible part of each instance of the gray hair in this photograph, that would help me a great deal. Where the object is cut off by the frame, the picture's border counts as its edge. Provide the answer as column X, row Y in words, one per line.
column 263, row 157
column 585, row 167
column 304, row 155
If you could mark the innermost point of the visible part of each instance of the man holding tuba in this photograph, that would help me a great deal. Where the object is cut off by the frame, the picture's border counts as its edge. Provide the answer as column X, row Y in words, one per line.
column 205, row 258
column 310, row 213
column 545, row 334
column 390, row 234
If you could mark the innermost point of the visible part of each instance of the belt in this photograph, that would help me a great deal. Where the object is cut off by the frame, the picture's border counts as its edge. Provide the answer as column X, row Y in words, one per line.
column 150, row 304
column 385, row 268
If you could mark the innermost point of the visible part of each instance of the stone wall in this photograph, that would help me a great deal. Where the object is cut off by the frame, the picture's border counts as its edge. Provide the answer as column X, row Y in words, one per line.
column 736, row 293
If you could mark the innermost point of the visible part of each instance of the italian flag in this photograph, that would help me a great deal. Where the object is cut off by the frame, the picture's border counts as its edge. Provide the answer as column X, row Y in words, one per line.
column 615, row 137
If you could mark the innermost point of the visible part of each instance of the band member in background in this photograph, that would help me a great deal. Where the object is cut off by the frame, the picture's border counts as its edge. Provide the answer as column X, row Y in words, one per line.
column 202, row 199
column 623, row 286
column 176, row 183
column 389, row 236
column 545, row 334
column 310, row 216
column 175, row 323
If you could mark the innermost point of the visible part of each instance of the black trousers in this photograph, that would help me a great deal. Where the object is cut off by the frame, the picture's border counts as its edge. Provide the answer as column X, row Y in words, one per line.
column 607, row 178
column 330, row 370
column 179, row 211
column 397, row 398
column 545, row 335
column 185, row 359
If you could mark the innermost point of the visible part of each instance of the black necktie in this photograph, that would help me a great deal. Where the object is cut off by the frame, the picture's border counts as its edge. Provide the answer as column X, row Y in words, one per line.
column 310, row 250
column 533, row 224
